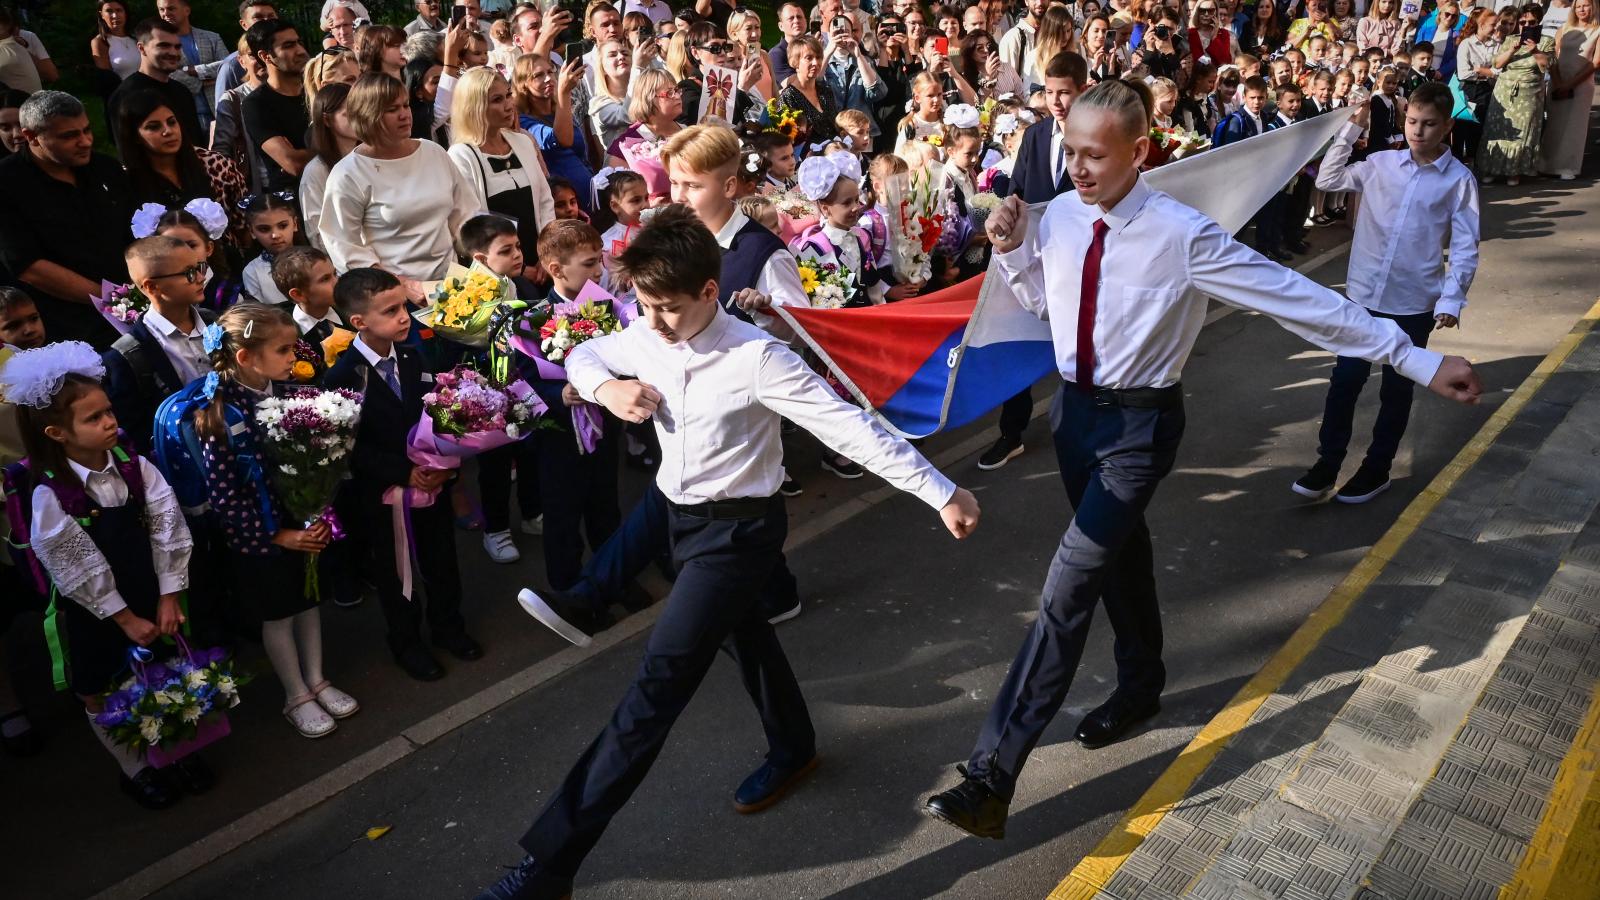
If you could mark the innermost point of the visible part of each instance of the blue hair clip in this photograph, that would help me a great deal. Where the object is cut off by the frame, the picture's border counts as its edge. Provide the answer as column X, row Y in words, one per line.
column 209, row 389
column 211, row 338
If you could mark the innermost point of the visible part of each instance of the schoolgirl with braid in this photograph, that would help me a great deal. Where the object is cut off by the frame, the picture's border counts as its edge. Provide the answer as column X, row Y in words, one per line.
column 251, row 346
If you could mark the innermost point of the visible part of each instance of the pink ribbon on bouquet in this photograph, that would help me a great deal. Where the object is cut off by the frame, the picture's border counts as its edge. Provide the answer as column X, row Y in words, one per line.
column 588, row 425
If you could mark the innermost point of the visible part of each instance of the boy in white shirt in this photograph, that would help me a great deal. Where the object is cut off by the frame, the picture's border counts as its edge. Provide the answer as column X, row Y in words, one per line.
column 715, row 387
column 1415, row 199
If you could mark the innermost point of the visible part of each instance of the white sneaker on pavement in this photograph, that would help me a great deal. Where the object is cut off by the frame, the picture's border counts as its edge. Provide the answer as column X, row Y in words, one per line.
column 499, row 546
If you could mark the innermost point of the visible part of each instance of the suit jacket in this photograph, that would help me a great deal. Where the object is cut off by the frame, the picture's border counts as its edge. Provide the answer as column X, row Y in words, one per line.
column 213, row 55
column 1033, row 176
column 380, row 460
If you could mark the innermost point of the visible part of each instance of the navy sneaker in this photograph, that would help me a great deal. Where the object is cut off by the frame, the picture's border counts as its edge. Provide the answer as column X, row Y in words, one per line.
column 528, row 882
column 768, row 784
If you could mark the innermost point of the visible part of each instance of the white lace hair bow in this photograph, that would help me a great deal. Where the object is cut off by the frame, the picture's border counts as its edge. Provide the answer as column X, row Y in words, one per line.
column 208, row 212
column 33, row 377
column 819, row 173
column 1004, row 124
column 962, row 115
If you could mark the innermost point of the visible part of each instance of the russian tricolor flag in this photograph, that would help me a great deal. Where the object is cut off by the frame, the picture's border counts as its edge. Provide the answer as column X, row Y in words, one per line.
column 947, row 358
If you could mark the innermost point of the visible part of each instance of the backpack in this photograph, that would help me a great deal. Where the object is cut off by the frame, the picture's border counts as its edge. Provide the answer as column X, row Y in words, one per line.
column 175, row 447
column 143, row 367
column 19, row 483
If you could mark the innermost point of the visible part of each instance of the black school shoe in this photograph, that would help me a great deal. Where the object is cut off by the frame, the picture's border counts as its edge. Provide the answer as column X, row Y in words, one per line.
column 1363, row 486
column 1317, row 481
column 528, row 882
column 1002, row 451
column 1112, row 720
column 149, row 789
column 971, row 806
column 419, row 663
column 459, row 645
column 768, row 784
column 193, row 775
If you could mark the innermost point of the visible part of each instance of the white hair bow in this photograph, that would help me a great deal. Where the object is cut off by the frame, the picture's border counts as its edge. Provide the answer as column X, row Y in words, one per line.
column 32, row 377
column 1004, row 124
column 208, row 212
column 602, row 178
column 819, row 173
column 962, row 115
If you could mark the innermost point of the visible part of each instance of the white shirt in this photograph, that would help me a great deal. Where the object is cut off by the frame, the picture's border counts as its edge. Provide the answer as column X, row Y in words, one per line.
column 723, row 393
column 398, row 214
column 474, row 166
column 313, row 185
column 186, row 351
column 258, row 283
column 1161, row 260
column 656, row 11
column 1409, row 213
column 372, row 356
column 124, row 54
column 305, row 322
column 78, row 568
column 1016, row 48
column 779, row 278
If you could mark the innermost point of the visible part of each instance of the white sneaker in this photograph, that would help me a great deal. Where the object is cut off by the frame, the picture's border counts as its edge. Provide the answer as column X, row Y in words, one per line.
column 533, row 526
column 790, row 613
column 499, row 547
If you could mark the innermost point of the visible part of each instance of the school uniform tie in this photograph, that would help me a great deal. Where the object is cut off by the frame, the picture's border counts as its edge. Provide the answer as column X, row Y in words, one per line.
column 1059, row 164
column 1088, row 299
column 386, row 369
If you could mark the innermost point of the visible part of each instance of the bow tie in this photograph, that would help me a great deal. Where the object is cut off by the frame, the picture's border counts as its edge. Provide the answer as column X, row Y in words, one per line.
column 504, row 164
column 268, row 257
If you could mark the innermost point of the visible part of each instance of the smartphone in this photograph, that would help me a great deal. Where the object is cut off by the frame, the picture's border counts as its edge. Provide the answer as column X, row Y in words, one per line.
column 1532, row 34
column 892, row 28
column 457, row 13
column 576, row 50
column 642, row 34
column 941, row 45
column 753, row 48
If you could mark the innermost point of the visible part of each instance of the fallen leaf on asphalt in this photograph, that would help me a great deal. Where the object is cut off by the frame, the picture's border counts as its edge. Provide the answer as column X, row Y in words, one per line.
column 377, row 831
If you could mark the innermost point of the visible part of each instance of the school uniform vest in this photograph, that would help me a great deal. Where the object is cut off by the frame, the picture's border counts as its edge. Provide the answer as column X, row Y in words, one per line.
column 743, row 261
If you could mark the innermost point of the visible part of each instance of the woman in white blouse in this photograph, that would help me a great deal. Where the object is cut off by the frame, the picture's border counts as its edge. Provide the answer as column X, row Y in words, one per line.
column 332, row 139
column 500, row 163
column 395, row 202
column 112, row 49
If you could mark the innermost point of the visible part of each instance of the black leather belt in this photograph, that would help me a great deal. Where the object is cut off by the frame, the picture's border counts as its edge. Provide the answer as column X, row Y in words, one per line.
column 735, row 508
column 1137, row 398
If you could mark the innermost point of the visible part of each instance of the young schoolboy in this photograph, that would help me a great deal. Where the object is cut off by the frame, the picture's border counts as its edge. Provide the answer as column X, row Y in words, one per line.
column 1275, row 237
column 163, row 351
column 1421, row 69
column 1414, row 200
column 579, row 487
column 1246, row 121
column 392, row 378
column 715, row 386
column 21, row 327
column 492, row 240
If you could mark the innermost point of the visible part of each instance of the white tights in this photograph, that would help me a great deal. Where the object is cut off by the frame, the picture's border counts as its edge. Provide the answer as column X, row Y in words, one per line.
column 294, row 645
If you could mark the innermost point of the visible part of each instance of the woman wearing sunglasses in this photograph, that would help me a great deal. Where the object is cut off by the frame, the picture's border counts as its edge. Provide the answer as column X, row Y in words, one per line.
column 709, row 48
column 1208, row 39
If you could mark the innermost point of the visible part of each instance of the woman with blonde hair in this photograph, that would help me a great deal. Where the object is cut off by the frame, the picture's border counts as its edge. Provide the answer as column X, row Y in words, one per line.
column 1381, row 27
column 394, row 202
column 608, row 105
column 333, row 66
column 744, row 29
column 1058, row 31
column 499, row 160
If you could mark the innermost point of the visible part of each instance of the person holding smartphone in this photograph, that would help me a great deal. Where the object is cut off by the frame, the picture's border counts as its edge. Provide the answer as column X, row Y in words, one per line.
column 847, row 70
column 1514, row 124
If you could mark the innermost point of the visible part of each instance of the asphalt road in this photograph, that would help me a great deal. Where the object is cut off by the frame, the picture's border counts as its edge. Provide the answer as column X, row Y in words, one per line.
column 906, row 633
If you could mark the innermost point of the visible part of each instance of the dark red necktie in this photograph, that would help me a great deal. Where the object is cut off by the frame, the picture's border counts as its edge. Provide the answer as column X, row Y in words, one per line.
column 1088, row 300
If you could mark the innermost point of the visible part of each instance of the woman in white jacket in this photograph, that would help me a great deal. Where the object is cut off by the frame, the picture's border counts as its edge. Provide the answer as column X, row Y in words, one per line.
column 500, row 163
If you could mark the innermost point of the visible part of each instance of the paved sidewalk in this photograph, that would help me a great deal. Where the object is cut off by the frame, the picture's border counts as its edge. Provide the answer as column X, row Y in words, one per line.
column 1431, row 731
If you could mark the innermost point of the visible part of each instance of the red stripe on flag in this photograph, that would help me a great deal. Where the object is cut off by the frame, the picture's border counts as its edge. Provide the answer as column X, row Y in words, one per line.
column 881, row 347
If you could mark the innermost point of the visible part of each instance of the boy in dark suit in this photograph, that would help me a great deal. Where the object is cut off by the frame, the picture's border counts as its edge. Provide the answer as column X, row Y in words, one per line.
column 1246, row 121
column 392, row 379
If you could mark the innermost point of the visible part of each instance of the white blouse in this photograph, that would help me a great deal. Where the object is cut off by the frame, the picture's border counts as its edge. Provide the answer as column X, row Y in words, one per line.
column 400, row 214
column 484, row 182
column 78, row 568
column 124, row 54
column 313, row 183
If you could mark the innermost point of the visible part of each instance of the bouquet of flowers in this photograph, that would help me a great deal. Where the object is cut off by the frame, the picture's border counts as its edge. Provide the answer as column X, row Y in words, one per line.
column 781, row 118
column 644, row 157
column 306, row 359
column 165, row 711
column 121, row 304
column 548, row 337
column 1170, row 143
column 979, row 206
column 464, row 302
column 309, row 434
column 916, row 203
column 796, row 214
column 335, row 344
column 827, row 285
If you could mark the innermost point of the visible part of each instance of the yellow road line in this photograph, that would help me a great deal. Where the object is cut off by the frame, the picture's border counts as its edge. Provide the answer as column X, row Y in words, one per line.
column 1095, row 870
column 1563, row 859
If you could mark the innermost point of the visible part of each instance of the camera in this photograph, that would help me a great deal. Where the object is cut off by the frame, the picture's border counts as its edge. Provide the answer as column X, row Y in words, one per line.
column 1162, row 32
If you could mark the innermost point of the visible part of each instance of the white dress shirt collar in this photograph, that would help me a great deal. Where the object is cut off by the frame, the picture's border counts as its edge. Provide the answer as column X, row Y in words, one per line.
column 84, row 473
column 306, row 323
column 731, row 228
column 155, row 320
column 370, row 354
column 836, row 236
column 1118, row 217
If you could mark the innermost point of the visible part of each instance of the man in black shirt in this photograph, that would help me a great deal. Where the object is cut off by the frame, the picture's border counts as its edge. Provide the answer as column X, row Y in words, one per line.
column 275, row 115
column 66, row 222
column 160, row 54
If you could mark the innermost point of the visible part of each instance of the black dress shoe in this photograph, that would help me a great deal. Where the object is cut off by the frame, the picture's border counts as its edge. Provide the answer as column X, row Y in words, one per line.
column 528, row 882
column 1276, row 255
column 149, row 789
column 419, row 663
column 636, row 599
column 193, row 775
column 971, row 806
column 1298, row 247
column 460, row 645
column 1109, row 722
column 767, row 785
